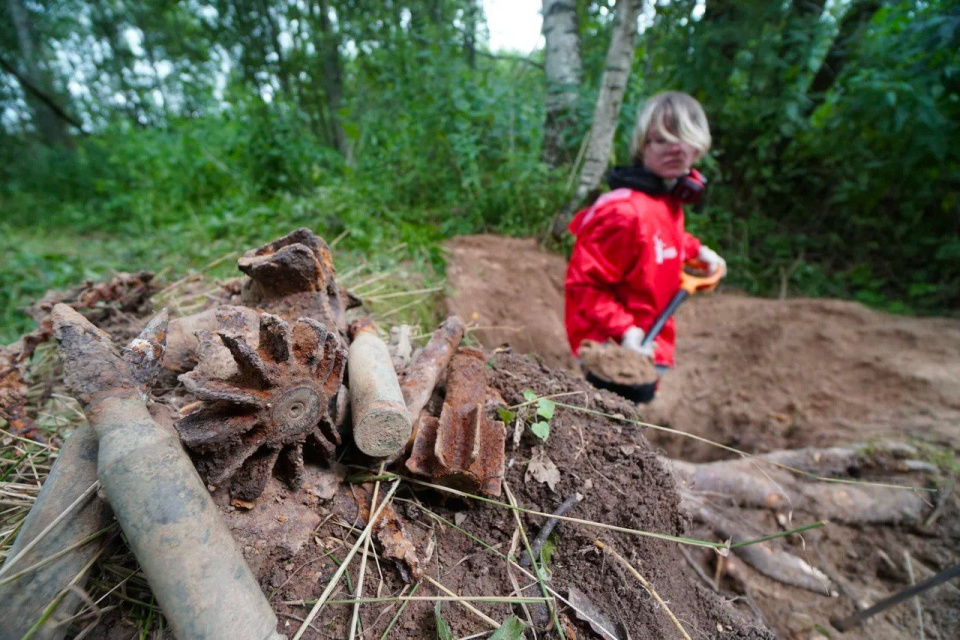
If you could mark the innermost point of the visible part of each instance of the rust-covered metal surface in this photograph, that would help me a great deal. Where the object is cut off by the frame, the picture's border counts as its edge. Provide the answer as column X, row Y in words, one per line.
column 293, row 277
column 390, row 531
column 463, row 449
column 281, row 398
column 431, row 363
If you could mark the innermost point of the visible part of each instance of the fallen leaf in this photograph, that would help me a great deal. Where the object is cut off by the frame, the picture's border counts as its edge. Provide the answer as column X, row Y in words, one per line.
column 542, row 469
column 602, row 624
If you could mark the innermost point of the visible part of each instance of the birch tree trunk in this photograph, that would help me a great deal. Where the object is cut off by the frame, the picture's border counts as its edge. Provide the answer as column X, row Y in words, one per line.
column 563, row 68
column 600, row 142
column 52, row 129
column 332, row 78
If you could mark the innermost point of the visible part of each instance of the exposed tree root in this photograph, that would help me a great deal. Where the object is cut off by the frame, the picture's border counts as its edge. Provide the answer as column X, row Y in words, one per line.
column 748, row 483
column 706, row 488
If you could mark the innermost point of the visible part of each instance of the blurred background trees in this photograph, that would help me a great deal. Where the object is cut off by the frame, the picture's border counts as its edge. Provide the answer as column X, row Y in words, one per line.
column 159, row 127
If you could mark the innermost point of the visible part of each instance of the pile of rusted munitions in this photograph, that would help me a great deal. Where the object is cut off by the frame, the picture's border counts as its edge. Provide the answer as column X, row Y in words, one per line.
column 264, row 381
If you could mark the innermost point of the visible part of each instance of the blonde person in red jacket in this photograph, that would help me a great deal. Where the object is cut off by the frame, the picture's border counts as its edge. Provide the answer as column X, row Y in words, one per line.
column 631, row 243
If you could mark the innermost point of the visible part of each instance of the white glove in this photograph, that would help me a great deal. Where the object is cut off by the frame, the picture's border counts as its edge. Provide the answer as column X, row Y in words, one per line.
column 632, row 339
column 713, row 260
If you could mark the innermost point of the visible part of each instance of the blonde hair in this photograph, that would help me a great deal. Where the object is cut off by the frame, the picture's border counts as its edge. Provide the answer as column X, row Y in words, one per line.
column 678, row 116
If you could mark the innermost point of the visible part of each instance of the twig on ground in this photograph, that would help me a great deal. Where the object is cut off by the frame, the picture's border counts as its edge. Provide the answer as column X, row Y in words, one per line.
column 548, row 527
column 916, row 599
column 699, row 570
column 533, row 560
column 646, row 585
column 462, row 601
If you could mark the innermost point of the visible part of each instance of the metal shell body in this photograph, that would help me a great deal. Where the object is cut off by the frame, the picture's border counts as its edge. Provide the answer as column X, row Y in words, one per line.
column 381, row 425
column 24, row 599
column 196, row 571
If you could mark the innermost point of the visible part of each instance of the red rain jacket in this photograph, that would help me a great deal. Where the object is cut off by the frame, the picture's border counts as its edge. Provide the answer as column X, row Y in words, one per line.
column 625, row 268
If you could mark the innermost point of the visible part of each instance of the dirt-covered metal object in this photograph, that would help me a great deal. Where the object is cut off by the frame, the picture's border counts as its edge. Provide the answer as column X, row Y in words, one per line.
column 463, row 449
column 390, row 532
column 381, row 426
column 282, row 397
column 194, row 568
column 293, row 277
column 24, row 599
column 430, row 364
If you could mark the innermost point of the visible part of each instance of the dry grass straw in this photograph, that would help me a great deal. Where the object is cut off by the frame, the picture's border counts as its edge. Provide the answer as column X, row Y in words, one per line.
column 363, row 562
column 646, row 585
column 346, row 561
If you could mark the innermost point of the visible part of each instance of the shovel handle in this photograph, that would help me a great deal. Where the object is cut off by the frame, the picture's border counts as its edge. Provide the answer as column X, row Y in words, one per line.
column 689, row 285
column 661, row 320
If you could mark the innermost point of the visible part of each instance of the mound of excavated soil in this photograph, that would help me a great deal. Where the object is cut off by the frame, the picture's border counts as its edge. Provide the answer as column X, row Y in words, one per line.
column 754, row 373
column 512, row 292
column 287, row 535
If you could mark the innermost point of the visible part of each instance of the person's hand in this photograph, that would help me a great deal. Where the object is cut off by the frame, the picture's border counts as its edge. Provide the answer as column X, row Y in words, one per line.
column 713, row 260
column 633, row 339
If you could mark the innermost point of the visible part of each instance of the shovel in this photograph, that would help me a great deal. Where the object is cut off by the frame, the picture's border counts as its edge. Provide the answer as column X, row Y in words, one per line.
column 694, row 278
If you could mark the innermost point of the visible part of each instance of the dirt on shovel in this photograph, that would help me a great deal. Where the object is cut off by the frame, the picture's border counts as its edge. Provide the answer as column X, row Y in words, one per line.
column 610, row 362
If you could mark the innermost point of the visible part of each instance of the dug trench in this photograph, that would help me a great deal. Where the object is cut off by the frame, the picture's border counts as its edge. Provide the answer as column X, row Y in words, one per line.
column 762, row 375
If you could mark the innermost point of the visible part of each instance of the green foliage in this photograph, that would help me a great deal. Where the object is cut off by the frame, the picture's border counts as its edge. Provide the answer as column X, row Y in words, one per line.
column 511, row 629
column 540, row 420
column 444, row 632
column 835, row 165
column 208, row 133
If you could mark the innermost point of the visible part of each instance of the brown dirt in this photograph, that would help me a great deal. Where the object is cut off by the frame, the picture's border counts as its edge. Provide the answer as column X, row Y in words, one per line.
column 613, row 363
column 612, row 466
column 508, row 290
column 769, row 374
column 753, row 373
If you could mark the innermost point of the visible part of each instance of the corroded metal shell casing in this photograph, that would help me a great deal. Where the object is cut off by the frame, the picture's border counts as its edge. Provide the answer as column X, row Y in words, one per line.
column 196, row 571
column 381, row 425
column 23, row 600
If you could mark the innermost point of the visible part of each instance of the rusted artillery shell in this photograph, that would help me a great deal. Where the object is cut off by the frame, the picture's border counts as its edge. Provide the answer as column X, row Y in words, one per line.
column 381, row 426
column 196, row 572
column 463, row 449
column 24, row 599
column 423, row 373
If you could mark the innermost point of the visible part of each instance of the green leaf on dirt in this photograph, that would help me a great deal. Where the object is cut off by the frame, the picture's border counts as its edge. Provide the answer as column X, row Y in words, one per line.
column 511, row 629
column 506, row 415
column 444, row 632
column 530, row 396
column 541, row 429
column 545, row 408
column 546, row 555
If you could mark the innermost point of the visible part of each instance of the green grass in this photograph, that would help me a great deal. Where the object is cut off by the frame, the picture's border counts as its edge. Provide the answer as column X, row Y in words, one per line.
column 373, row 238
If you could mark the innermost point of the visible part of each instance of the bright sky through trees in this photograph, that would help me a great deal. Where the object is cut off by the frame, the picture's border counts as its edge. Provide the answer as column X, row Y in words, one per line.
column 513, row 24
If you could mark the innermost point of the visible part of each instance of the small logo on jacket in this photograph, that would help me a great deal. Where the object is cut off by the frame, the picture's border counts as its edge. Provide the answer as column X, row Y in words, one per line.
column 662, row 251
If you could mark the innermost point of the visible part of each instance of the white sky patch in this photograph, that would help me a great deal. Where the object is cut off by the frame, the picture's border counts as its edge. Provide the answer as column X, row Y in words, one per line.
column 514, row 24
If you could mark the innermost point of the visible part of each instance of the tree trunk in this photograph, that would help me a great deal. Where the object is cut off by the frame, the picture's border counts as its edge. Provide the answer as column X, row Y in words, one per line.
column 600, row 142
column 851, row 28
column 52, row 129
column 332, row 77
column 563, row 67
